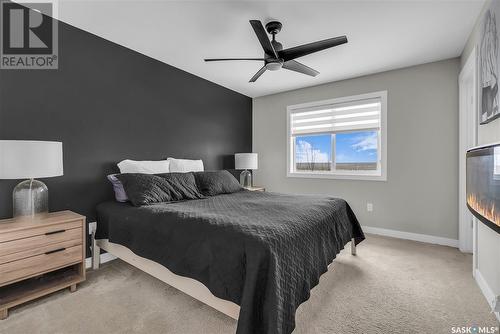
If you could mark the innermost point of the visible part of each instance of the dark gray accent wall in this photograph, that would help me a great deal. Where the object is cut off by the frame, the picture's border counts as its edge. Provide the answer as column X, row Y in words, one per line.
column 107, row 103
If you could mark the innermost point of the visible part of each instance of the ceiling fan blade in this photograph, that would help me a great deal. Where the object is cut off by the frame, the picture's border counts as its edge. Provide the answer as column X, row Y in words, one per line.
column 258, row 74
column 263, row 39
column 302, row 50
column 294, row 65
column 223, row 59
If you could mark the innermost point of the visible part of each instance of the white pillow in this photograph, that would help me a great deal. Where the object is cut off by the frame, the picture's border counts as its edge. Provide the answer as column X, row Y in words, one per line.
column 185, row 165
column 144, row 167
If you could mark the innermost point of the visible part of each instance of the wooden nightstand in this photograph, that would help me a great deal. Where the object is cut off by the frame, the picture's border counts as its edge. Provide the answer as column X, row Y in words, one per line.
column 255, row 188
column 39, row 256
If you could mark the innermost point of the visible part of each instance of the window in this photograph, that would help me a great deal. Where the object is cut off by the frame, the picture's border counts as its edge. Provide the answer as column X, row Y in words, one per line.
column 340, row 138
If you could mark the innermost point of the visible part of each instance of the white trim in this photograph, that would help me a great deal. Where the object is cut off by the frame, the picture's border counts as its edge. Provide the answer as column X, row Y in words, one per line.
column 486, row 290
column 411, row 236
column 381, row 174
column 106, row 257
column 474, row 247
column 338, row 176
column 467, row 81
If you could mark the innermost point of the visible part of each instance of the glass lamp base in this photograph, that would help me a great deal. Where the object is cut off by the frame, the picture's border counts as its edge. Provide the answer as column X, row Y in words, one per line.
column 246, row 178
column 29, row 198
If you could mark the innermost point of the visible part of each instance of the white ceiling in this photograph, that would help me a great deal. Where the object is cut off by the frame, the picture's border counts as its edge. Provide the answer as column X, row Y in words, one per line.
column 382, row 35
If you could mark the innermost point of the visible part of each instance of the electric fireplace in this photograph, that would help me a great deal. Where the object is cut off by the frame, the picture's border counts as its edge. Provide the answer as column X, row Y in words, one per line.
column 483, row 184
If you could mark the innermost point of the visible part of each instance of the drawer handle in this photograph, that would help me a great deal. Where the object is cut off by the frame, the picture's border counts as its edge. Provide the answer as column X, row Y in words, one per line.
column 55, row 232
column 55, row 251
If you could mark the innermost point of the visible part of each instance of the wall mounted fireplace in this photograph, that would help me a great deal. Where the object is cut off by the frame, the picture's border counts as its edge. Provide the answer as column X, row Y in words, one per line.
column 483, row 184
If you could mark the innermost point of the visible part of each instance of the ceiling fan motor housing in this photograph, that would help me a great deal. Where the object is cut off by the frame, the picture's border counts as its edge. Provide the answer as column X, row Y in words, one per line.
column 272, row 63
column 277, row 45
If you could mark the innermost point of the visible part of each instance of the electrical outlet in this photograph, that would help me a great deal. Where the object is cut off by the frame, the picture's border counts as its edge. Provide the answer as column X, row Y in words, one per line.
column 369, row 207
column 92, row 227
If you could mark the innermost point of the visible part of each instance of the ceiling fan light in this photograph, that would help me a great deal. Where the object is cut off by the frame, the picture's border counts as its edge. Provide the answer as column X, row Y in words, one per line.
column 273, row 66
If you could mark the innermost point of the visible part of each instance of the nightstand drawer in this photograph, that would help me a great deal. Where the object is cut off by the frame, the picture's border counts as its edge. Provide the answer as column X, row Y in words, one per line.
column 39, row 250
column 41, row 230
column 57, row 257
column 28, row 246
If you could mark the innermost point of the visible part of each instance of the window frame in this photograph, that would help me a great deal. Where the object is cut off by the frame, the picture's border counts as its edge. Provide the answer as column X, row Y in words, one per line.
column 336, row 174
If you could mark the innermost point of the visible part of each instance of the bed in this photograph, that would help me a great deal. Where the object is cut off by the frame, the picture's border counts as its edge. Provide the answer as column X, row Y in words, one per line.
column 253, row 255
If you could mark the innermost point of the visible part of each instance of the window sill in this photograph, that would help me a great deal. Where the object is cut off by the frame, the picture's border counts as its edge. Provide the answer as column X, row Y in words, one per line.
column 338, row 176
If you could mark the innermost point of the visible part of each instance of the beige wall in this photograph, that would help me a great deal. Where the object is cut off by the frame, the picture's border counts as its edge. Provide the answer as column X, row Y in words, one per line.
column 421, row 191
column 488, row 250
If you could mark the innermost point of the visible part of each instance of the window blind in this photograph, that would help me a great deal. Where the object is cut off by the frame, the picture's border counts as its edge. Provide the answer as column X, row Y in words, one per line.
column 341, row 117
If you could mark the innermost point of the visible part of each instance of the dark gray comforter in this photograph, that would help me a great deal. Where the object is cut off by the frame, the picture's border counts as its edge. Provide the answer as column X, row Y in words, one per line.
column 263, row 251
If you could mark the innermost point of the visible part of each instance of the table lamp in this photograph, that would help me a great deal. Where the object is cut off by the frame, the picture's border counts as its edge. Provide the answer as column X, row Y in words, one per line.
column 246, row 161
column 27, row 159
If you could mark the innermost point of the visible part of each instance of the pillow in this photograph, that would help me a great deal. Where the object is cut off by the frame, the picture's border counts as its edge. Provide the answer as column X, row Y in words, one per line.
column 185, row 165
column 144, row 167
column 144, row 189
column 183, row 186
column 120, row 194
column 218, row 182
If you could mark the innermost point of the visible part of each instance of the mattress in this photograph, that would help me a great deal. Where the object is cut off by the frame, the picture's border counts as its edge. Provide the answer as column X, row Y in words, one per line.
column 263, row 251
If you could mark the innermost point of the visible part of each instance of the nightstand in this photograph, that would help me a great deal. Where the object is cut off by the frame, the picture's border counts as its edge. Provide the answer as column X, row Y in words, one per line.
column 255, row 188
column 39, row 256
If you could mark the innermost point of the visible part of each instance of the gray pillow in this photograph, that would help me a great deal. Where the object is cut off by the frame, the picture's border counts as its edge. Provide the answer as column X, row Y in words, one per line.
column 216, row 182
column 182, row 186
column 120, row 194
column 144, row 189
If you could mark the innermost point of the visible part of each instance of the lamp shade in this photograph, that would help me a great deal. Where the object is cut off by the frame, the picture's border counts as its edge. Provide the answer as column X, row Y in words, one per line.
column 24, row 159
column 246, row 161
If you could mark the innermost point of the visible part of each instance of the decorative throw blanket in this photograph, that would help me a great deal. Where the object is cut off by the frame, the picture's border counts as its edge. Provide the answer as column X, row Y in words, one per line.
column 263, row 251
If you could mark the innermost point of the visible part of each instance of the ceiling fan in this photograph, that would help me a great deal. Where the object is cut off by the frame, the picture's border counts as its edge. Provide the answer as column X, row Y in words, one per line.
column 276, row 58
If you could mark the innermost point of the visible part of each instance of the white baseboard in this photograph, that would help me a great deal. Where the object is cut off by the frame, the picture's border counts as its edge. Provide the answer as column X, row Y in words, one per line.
column 106, row 257
column 486, row 290
column 411, row 236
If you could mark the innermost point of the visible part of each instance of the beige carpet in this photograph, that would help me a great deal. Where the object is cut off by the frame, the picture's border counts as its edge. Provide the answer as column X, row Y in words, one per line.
column 392, row 286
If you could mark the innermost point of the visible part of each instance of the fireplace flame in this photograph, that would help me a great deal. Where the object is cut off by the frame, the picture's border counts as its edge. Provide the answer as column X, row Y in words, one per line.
column 484, row 207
